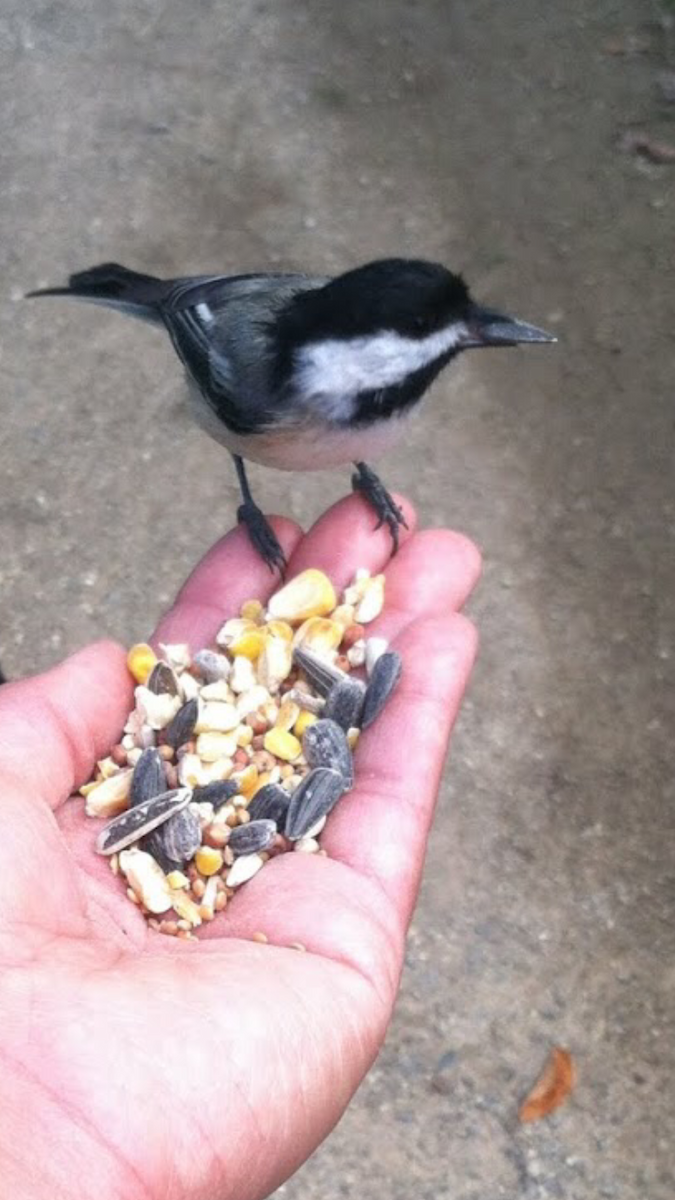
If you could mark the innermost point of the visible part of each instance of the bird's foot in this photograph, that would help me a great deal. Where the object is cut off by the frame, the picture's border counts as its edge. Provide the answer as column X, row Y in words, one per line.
column 369, row 485
column 262, row 536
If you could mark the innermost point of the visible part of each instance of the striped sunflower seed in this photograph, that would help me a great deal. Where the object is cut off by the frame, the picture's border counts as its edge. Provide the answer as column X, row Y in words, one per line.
column 382, row 683
column 314, row 798
column 320, row 673
column 162, row 679
column 173, row 844
column 217, row 793
column 136, row 822
column 270, row 803
column 181, row 728
column 325, row 744
column 148, row 779
column 344, row 702
column 252, row 838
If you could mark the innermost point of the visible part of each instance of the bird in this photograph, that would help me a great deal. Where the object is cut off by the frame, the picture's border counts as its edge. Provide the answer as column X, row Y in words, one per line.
column 304, row 372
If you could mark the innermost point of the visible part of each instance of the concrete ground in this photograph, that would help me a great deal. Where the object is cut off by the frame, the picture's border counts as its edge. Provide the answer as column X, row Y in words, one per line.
column 182, row 138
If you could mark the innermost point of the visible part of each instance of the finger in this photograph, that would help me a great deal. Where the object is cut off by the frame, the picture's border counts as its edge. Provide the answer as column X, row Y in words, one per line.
column 433, row 574
column 345, row 538
column 231, row 572
column 54, row 726
column 380, row 828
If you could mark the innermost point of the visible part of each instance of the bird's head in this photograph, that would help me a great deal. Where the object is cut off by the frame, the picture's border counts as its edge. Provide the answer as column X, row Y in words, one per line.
column 416, row 300
column 392, row 321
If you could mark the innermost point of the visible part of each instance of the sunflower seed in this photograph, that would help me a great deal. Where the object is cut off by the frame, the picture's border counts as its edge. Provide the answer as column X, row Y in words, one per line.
column 181, row 728
column 173, row 844
column 318, row 793
column 162, row 679
column 148, row 779
column 135, row 822
column 344, row 702
column 217, row 793
column 252, row 838
column 322, row 674
column 212, row 666
column 270, row 803
column 325, row 744
column 383, row 680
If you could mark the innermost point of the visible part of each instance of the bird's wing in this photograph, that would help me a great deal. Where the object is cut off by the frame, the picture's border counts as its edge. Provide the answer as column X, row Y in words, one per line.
column 221, row 328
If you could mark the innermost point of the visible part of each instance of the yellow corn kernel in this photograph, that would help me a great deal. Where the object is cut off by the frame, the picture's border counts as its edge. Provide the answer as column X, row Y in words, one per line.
column 310, row 594
column 246, row 780
column 176, row 879
column 140, row 661
column 208, row 860
column 282, row 744
column 250, row 643
column 319, row 634
column 353, row 735
column 306, row 718
column 287, row 714
column 185, row 907
column 262, row 779
column 279, row 629
column 251, row 610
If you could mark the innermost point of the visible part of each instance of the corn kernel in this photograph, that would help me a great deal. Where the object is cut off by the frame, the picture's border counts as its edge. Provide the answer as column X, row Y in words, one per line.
column 319, row 634
column 306, row 718
column 310, row 594
column 246, row 780
column 282, row 744
column 251, row 610
column 249, row 644
column 208, row 860
column 262, row 780
column 176, row 879
column 344, row 614
column 140, row 661
column 279, row 629
column 287, row 714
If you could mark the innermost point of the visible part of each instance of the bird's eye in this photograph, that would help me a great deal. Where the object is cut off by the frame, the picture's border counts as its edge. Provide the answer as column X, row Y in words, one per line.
column 421, row 325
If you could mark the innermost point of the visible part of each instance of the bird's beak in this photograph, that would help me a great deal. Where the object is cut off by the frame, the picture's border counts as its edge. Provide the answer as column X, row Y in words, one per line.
column 488, row 328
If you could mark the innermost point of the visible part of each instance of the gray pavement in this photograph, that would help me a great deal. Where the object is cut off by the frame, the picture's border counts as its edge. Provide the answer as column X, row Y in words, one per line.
column 186, row 137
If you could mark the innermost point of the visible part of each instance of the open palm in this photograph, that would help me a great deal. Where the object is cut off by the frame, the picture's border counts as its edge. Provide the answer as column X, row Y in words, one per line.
column 137, row 1066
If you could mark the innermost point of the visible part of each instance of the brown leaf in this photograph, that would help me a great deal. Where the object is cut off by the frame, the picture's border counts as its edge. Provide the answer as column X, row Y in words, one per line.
column 633, row 141
column 552, row 1088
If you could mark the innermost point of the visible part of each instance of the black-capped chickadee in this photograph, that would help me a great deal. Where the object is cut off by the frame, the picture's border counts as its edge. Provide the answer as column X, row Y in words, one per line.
column 304, row 372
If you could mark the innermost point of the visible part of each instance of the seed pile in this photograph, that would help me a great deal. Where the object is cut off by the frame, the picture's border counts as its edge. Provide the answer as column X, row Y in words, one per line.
column 239, row 752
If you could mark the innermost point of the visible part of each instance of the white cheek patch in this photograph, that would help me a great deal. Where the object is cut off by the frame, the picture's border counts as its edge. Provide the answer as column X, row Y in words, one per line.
column 335, row 369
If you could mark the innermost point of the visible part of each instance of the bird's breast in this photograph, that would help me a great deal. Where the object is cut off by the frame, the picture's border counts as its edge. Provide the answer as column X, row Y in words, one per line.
column 306, row 445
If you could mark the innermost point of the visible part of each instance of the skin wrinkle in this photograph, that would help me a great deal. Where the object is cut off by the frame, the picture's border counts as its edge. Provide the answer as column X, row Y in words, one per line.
column 81, row 1120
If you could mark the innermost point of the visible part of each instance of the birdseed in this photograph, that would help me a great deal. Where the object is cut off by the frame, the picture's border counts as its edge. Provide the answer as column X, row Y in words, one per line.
column 238, row 753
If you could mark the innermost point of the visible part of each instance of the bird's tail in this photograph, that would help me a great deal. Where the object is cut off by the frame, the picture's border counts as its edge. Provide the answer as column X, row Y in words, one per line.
column 115, row 287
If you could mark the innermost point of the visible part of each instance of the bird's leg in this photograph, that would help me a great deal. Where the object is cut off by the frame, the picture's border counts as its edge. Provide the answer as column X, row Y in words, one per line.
column 366, row 481
column 257, row 526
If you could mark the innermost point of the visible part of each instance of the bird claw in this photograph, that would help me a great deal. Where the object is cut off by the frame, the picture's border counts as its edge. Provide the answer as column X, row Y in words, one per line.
column 262, row 537
column 367, row 483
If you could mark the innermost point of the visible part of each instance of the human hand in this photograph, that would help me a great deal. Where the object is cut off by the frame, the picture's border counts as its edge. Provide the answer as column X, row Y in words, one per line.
column 136, row 1066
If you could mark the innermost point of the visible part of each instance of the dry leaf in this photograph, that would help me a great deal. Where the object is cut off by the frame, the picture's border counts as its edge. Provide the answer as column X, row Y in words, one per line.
column 633, row 141
column 552, row 1088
